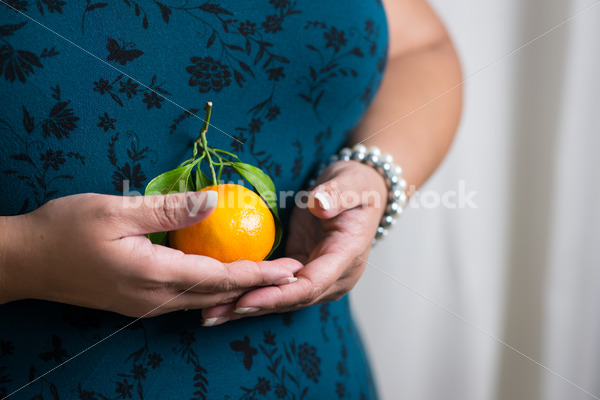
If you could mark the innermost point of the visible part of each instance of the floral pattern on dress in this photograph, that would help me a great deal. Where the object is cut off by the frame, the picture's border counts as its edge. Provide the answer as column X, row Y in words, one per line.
column 17, row 63
column 40, row 165
column 127, row 88
column 283, row 62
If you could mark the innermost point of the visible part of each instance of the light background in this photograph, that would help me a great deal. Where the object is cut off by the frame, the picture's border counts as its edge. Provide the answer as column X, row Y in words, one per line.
column 524, row 267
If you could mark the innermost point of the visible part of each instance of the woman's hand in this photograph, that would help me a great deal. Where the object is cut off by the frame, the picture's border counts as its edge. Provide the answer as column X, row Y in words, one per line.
column 413, row 117
column 90, row 250
column 332, row 238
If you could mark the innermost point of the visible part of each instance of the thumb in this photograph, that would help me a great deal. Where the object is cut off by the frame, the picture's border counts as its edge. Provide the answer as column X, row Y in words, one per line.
column 348, row 188
column 170, row 212
column 331, row 198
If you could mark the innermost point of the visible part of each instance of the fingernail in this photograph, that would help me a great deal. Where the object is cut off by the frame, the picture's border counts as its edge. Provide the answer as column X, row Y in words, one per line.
column 285, row 281
column 215, row 321
column 245, row 310
column 324, row 200
column 198, row 202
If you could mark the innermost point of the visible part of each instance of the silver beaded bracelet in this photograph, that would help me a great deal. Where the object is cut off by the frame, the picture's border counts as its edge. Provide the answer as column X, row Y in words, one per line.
column 392, row 173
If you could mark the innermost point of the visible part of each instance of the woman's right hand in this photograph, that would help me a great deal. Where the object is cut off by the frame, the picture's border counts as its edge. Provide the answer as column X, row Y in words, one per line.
column 90, row 250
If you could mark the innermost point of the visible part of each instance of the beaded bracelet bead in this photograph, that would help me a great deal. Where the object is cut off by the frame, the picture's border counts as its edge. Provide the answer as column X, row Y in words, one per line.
column 392, row 173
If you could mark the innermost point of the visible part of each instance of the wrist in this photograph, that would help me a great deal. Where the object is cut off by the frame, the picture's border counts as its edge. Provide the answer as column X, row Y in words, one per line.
column 395, row 197
column 377, row 195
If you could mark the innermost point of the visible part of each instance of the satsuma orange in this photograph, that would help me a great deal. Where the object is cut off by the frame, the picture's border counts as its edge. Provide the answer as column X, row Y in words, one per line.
column 241, row 227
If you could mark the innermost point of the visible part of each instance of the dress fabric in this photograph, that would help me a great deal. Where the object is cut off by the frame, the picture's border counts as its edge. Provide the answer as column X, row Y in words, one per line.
column 94, row 93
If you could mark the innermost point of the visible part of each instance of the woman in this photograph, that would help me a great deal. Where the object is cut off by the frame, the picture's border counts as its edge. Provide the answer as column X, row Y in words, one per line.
column 94, row 105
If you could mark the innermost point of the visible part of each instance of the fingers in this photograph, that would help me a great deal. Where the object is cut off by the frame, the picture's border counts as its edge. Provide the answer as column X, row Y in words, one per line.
column 314, row 279
column 207, row 275
column 348, row 186
column 209, row 283
column 174, row 281
column 269, row 298
column 218, row 314
column 193, row 301
column 160, row 213
column 314, row 282
column 328, row 277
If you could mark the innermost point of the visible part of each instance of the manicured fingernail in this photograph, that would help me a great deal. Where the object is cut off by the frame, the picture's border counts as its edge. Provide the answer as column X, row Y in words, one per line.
column 324, row 200
column 215, row 321
column 285, row 281
column 198, row 202
column 245, row 310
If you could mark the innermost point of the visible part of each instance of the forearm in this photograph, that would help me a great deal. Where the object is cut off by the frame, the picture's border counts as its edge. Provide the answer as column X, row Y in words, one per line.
column 19, row 258
column 414, row 116
column 7, row 253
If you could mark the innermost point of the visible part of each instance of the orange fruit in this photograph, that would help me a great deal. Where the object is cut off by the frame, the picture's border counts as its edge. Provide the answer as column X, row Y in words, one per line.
column 240, row 228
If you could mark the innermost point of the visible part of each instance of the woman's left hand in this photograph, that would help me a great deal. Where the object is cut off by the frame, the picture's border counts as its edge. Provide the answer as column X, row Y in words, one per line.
column 331, row 238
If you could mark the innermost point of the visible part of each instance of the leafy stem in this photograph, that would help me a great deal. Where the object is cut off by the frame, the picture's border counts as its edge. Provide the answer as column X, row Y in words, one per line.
column 204, row 143
column 181, row 179
column 215, row 151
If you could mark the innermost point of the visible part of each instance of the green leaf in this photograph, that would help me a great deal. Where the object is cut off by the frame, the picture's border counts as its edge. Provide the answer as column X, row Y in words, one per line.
column 171, row 182
column 190, row 184
column 278, row 234
column 166, row 183
column 157, row 237
column 261, row 182
column 266, row 189
column 202, row 180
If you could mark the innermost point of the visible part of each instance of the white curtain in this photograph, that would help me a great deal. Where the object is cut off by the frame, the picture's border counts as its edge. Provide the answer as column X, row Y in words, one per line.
column 501, row 301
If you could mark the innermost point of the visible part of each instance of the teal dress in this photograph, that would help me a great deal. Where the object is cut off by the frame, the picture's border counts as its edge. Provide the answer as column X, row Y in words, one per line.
column 101, row 96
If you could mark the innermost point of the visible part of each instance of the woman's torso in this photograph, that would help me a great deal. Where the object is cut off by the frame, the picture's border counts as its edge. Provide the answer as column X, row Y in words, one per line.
column 288, row 80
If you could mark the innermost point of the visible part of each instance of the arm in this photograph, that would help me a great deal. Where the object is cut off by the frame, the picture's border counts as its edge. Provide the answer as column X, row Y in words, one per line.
column 422, row 64
column 90, row 250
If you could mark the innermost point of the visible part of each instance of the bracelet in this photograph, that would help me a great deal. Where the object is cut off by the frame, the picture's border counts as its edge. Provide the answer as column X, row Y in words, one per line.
column 392, row 173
